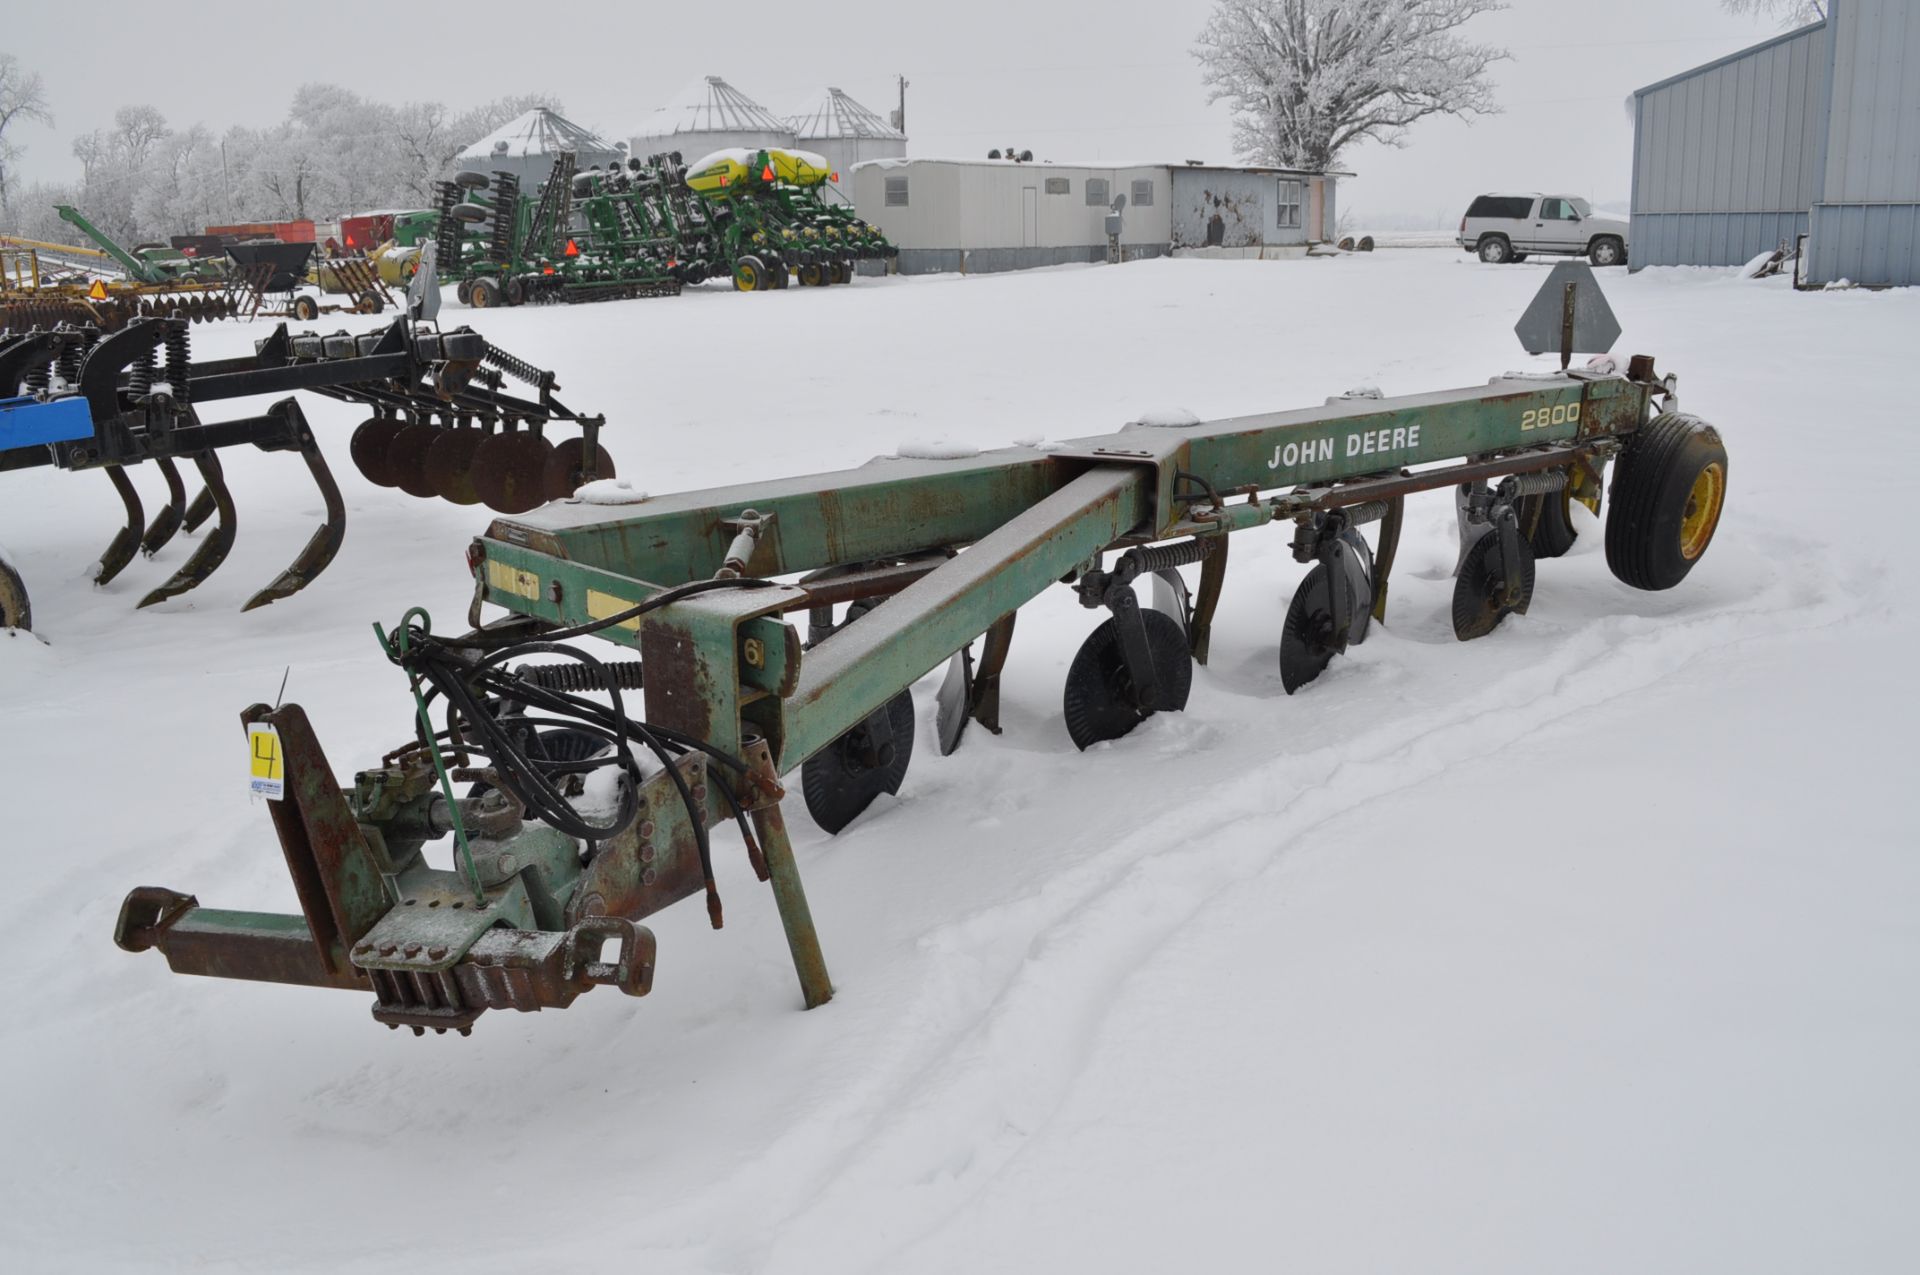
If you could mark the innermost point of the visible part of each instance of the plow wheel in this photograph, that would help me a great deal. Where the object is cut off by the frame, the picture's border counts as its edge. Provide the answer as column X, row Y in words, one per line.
column 406, row 459
column 16, row 612
column 812, row 275
column 306, row 309
column 1481, row 596
column 1669, row 488
column 509, row 471
column 1101, row 702
column 839, row 272
column 565, row 474
column 371, row 443
column 450, row 465
column 483, row 294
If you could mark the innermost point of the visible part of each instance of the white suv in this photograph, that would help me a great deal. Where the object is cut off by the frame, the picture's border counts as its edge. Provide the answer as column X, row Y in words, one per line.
column 1508, row 227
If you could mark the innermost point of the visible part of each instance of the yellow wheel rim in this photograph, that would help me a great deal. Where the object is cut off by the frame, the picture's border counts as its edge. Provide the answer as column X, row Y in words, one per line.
column 1703, row 510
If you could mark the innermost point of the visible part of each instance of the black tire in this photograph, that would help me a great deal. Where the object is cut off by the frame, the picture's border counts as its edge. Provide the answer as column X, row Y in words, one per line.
column 471, row 181
column 1669, row 490
column 472, row 214
column 514, row 291
column 1607, row 251
column 306, row 309
column 750, row 275
column 460, row 290
column 1495, row 250
column 1550, row 522
column 483, row 294
column 16, row 609
column 1365, row 244
column 369, row 303
column 1517, row 257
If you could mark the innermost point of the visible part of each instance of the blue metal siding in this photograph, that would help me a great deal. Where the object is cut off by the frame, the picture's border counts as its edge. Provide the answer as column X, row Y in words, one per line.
column 1866, row 225
column 1726, row 157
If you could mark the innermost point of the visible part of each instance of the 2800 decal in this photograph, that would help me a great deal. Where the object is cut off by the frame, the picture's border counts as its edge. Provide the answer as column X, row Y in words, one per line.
column 1546, row 417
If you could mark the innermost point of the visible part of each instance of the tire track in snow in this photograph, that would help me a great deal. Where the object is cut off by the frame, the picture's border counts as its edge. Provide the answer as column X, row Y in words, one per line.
column 1002, row 1067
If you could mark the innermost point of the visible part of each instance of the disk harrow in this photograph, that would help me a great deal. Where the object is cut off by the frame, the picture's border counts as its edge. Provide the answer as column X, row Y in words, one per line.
column 446, row 420
column 30, row 299
column 595, row 783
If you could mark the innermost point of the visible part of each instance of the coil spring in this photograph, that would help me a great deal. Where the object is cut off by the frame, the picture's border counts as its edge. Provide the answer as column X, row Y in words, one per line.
column 1165, row 557
column 179, row 346
column 140, row 376
column 75, row 354
column 39, row 377
column 1538, row 482
column 517, row 367
column 624, row 674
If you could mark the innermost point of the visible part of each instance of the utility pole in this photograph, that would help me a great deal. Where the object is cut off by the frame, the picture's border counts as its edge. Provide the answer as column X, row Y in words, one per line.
column 900, row 116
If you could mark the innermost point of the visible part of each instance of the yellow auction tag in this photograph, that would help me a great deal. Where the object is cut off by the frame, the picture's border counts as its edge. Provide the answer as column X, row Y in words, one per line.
column 267, row 766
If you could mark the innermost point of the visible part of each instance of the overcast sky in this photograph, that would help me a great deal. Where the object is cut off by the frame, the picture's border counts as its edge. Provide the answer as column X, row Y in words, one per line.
column 1068, row 81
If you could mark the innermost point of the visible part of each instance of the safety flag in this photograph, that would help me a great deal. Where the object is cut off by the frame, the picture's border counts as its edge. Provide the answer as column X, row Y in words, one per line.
column 573, row 249
column 98, row 292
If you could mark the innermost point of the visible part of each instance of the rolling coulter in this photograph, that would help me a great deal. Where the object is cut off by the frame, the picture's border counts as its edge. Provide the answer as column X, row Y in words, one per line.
column 32, row 298
column 596, row 780
column 444, row 422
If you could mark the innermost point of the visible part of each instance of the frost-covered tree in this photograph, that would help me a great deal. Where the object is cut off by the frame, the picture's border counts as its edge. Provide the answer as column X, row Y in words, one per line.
column 22, row 97
column 1792, row 13
column 1307, row 78
column 335, row 153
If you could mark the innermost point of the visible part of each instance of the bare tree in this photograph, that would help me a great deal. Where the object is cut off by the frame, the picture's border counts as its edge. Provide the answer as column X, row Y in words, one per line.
column 22, row 97
column 1307, row 78
column 1792, row 13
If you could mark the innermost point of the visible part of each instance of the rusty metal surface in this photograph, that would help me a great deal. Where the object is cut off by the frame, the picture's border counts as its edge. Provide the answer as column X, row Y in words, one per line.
column 336, row 873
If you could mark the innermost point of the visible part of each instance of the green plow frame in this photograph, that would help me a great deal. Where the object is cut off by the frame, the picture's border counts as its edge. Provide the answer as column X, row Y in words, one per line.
column 932, row 556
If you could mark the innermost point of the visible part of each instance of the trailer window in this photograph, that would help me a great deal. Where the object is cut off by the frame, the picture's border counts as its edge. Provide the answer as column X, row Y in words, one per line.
column 1142, row 193
column 1059, row 186
column 1096, row 192
column 896, row 192
column 1289, row 204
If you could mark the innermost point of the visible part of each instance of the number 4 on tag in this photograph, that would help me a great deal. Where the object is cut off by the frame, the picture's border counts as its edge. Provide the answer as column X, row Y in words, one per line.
column 267, row 765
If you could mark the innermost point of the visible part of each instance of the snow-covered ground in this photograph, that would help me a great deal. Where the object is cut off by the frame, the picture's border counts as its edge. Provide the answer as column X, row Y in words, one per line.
column 1591, row 946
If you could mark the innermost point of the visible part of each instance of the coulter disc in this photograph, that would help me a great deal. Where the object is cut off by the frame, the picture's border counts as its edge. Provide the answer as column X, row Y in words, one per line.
column 1100, row 702
column 509, row 472
column 1479, row 603
column 563, row 474
column 407, row 458
column 450, row 465
column 369, row 448
column 843, row 779
column 1306, row 638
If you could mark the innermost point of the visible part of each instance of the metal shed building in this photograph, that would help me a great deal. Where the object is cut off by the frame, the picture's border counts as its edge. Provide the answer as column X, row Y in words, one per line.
column 1814, row 132
column 1226, row 211
column 982, row 215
